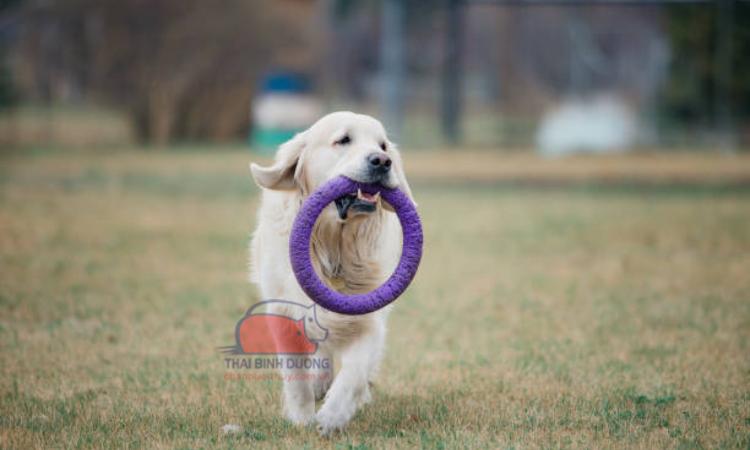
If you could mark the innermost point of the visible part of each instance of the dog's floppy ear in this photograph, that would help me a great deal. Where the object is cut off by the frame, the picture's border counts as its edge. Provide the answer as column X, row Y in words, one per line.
column 398, row 171
column 284, row 173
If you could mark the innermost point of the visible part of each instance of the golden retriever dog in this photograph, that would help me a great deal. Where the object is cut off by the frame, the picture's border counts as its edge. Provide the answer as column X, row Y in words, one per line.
column 356, row 244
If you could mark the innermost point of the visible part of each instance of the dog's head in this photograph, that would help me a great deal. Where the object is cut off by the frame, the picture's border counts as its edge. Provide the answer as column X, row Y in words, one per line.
column 341, row 143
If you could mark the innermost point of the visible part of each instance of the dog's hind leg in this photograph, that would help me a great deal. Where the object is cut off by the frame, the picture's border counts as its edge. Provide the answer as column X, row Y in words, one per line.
column 323, row 375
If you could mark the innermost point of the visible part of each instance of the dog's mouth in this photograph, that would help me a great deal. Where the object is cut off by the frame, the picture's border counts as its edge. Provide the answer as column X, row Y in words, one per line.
column 361, row 202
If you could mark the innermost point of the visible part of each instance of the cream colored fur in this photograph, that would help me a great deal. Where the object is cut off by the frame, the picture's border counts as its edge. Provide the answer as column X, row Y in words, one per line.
column 353, row 256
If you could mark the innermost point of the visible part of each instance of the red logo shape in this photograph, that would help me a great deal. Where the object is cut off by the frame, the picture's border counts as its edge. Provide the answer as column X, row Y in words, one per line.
column 288, row 329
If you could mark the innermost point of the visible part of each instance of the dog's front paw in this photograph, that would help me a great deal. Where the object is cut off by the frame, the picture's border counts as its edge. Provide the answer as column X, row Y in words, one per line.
column 299, row 416
column 329, row 423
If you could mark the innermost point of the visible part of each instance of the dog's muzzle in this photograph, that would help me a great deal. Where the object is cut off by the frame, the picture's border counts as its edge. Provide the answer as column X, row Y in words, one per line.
column 359, row 202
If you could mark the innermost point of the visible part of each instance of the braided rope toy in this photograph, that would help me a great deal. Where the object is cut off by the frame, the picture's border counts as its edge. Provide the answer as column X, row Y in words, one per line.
column 299, row 248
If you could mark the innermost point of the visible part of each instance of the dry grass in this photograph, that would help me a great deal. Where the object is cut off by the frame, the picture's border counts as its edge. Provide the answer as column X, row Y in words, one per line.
column 568, row 317
column 650, row 168
column 64, row 127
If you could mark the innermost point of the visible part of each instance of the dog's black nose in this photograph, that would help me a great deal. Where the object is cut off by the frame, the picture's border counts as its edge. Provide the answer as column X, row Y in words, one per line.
column 379, row 163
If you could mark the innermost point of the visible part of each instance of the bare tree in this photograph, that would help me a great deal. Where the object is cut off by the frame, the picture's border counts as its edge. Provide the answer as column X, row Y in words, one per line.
column 183, row 69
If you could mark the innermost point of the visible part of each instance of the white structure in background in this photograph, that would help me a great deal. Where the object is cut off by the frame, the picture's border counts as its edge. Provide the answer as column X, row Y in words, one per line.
column 284, row 106
column 286, row 111
column 602, row 124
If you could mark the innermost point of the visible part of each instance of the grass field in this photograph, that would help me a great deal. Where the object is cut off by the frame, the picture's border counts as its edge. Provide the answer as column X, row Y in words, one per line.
column 588, row 315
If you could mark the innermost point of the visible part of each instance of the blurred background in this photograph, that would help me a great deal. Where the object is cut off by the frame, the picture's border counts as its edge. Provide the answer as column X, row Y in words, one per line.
column 551, row 76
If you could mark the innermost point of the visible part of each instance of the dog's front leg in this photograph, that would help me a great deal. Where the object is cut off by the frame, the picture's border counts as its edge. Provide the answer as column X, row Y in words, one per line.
column 349, row 389
column 375, row 353
column 299, row 399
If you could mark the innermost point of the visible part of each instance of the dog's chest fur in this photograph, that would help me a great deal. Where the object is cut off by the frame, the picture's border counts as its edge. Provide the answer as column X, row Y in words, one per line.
column 345, row 254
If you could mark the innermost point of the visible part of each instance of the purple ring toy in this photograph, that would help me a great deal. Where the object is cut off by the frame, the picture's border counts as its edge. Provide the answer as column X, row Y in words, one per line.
column 299, row 249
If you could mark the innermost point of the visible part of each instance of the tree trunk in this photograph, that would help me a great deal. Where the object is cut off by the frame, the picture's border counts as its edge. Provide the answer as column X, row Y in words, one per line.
column 162, row 115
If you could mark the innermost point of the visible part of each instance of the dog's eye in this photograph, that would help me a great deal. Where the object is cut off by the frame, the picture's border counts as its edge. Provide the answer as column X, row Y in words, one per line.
column 344, row 140
column 383, row 147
